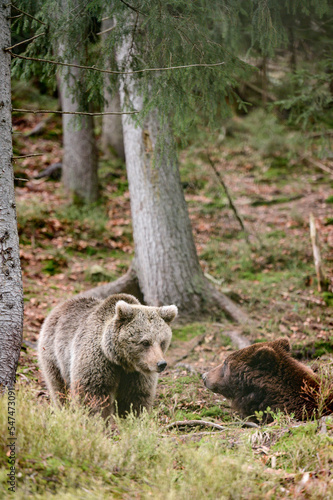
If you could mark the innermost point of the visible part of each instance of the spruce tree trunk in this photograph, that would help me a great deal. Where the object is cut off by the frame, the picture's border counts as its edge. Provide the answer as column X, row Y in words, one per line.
column 112, row 129
column 166, row 262
column 80, row 161
column 11, row 292
column 79, row 172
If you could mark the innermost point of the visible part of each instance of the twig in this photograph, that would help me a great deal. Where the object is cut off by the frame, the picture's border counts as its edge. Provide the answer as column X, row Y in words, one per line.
column 268, row 96
column 26, row 14
column 251, row 425
column 191, row 423
column 133, row 8
column 214, row 280
column 23, row 41
column 231, row 203
column 314, row 300
column 196, row 434
column 74, row 112
column 106, row 31
column 320, row 134
column 21, row 179
column 110, row 72
column 26, row 156
column 318, row 164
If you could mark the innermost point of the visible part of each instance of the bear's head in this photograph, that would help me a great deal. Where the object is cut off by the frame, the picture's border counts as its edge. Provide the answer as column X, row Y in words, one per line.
column 247, row 367
column 137, row 336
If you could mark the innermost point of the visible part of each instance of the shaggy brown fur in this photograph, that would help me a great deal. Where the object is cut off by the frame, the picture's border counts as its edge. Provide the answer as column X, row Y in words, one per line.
column 265, row 375
column 108, row 352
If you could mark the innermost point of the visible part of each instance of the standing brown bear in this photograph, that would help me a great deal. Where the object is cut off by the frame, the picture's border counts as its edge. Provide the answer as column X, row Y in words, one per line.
column 109, row 352
column 265, row 375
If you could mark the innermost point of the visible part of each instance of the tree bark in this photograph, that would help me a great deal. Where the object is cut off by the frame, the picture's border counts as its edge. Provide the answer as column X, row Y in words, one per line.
column 79, row 171
column 79, row 165
column 166, row 262
column 11, row 291
column 112, row 129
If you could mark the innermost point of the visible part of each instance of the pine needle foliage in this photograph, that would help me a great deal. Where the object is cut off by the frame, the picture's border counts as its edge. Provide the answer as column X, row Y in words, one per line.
column 163, row 35
column 174, row 33
column 311, row 101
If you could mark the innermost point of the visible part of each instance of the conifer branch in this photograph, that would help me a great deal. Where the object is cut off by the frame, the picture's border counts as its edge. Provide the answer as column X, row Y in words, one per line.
column 37, row 111
column 23, row 41
column 231, row 203
column 79, row 66
column 26, row 14
column 26, row 156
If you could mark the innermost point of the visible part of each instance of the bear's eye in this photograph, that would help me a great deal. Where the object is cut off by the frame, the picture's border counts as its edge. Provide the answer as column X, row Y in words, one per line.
column 163, row 344
column 145, row 343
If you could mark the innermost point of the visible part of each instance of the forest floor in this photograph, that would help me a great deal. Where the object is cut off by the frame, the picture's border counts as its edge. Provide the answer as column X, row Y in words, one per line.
column 276, row 178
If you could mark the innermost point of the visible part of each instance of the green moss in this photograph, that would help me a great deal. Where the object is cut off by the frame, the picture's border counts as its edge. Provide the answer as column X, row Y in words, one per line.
column 180, row 384
column 188, row 332
column 328, row 298
column 313, row 350
column 216, row 412
column 55, row 265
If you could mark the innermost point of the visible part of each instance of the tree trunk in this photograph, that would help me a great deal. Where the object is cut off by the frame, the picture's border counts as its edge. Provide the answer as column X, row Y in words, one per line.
column 166, row 262
column 79, row 172
column 112, row 129
column 165, row 257
column 11, row 292
column 79, row 165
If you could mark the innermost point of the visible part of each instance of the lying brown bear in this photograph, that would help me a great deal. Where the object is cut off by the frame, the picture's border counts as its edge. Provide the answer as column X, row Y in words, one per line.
column 265, row 375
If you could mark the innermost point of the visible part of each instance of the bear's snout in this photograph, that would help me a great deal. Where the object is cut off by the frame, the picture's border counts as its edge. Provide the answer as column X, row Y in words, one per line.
column 161, row 365
column 213, row 379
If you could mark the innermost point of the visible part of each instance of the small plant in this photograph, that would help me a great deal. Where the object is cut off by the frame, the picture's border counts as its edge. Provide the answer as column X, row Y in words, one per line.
column 55, row 264
column 320, row 397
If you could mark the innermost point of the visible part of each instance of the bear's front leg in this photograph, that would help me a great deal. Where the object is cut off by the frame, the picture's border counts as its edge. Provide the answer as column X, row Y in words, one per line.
column 135, row 392
column 95, row 384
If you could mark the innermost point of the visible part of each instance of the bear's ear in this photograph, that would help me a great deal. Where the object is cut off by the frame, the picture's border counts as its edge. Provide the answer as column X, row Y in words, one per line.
column 124, row 311
column 168, row 313
column 282, row 343
column 264, row 358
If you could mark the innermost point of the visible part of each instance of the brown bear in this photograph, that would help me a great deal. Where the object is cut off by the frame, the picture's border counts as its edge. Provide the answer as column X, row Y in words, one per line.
column 265, row 375
column 108, row 352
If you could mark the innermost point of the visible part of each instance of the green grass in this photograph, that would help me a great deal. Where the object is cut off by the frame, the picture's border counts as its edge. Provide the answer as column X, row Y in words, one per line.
column 67, row 454
column 298, row 450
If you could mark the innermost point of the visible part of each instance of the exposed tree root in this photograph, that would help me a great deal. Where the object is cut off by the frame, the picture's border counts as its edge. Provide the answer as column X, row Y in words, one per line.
column 126, row 284
column 228, row 306
column 213, row 299
column 238, row 340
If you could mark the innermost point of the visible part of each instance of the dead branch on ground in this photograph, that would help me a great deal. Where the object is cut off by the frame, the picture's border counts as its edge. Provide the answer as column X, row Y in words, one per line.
column 191, row 423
